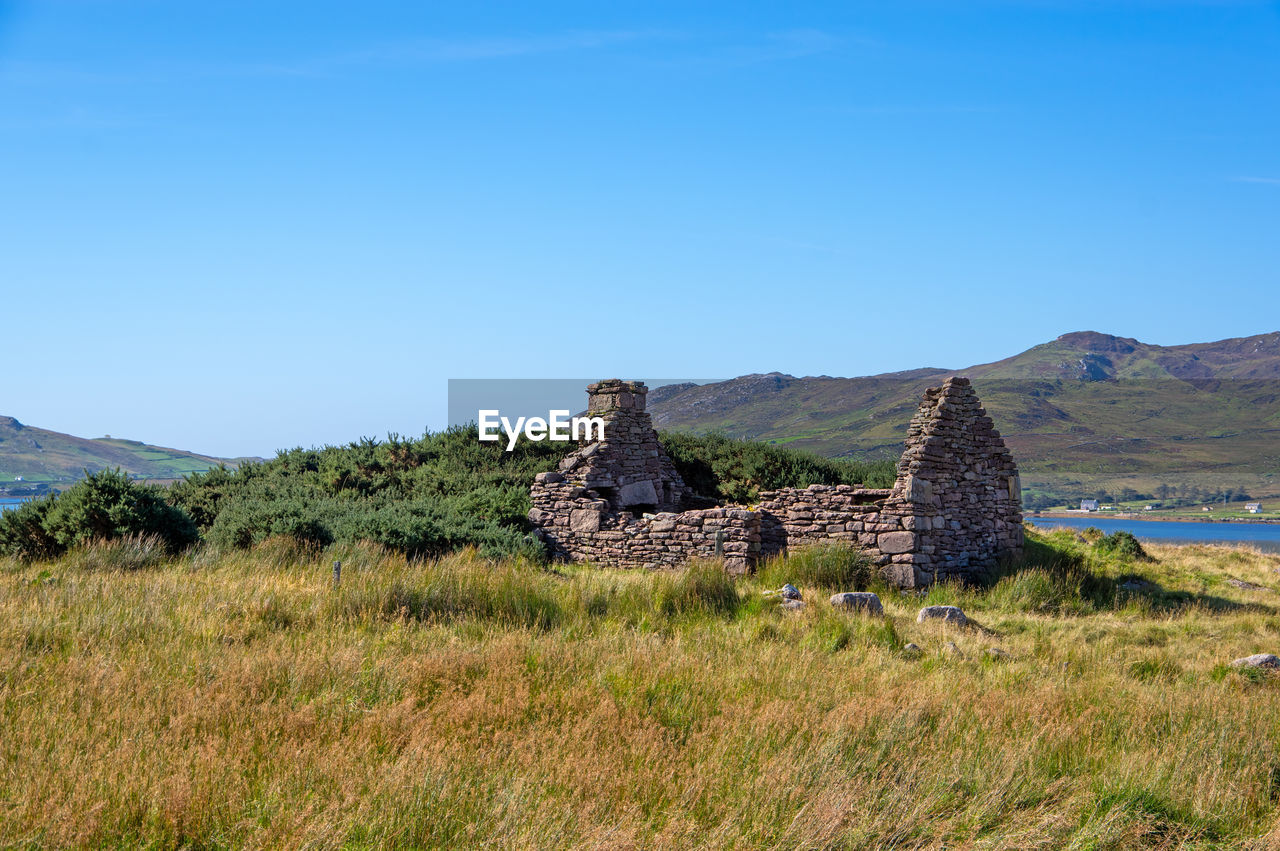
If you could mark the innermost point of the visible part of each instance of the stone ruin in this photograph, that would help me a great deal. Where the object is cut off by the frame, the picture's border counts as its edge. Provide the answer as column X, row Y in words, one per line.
column 953, row 512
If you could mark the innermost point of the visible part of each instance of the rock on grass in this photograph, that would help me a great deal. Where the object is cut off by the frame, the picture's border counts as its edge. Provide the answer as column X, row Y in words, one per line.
column 946, row 614
column 1258, row 660
column 858, row 601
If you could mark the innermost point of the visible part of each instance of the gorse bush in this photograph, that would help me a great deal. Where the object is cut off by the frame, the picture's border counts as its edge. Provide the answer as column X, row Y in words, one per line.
column 104, row 506
column 737, row 470
column 1121, row 544
column 422, row 497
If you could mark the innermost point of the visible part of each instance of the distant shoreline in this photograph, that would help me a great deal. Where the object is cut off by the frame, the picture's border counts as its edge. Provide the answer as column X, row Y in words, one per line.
column 1145, row 516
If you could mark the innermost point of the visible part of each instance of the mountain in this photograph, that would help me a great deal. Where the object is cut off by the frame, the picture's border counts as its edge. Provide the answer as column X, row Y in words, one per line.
column 1085, row 413
column 50, row 460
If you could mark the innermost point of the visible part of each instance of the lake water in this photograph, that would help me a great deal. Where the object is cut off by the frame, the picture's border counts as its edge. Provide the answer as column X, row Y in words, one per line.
column 1264, row 536
column 7, row 502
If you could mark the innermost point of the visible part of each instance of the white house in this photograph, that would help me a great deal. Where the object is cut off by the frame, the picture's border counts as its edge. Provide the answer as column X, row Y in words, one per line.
column 1253, row 507
column 1088, row 505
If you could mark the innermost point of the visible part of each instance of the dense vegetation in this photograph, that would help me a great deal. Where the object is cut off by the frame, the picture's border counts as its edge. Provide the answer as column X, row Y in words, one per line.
column 737, row 470
column 237, row 699
column 104, row 506
column 421, row 497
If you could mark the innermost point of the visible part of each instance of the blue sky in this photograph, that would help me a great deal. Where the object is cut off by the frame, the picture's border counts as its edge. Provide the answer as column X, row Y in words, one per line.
column 237, row 227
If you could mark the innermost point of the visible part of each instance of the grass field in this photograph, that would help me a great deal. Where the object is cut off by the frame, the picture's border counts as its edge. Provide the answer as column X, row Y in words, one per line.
column 242, row 701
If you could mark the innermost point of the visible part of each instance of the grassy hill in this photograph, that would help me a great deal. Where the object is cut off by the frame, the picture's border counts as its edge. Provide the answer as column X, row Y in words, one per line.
column 49, row 460
column 1083, row 414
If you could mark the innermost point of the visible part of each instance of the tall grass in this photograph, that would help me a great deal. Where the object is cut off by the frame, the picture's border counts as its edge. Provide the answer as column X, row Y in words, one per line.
column 239, row 699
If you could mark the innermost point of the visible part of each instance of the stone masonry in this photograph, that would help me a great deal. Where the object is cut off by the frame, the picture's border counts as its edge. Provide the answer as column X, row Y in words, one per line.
column 953, row 512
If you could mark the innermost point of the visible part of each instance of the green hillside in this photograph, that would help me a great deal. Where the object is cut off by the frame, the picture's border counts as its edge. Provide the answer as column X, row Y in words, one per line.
column 1086, row 413
column 49, row 460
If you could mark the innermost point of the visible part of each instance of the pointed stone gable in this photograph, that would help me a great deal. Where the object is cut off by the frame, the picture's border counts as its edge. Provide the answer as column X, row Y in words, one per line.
column 958, row 493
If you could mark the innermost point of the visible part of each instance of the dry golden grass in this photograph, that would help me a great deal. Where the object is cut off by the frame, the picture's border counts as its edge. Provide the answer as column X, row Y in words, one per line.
column 242, row 701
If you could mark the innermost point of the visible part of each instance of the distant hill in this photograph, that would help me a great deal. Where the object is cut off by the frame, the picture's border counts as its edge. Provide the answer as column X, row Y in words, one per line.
column 1084, row 413
column 51, row 460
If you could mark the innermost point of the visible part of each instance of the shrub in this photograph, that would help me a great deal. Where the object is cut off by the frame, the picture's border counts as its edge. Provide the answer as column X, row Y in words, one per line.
column 24, row 531
column 1122, row 544
column 737, row 470
column 104, row 506
column 421, row 497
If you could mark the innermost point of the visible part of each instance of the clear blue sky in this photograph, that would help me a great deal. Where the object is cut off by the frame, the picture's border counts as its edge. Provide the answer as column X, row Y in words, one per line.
column 234, row 227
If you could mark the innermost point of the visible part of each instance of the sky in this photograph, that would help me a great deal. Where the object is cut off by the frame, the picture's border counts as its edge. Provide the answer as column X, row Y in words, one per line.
column 238, row 227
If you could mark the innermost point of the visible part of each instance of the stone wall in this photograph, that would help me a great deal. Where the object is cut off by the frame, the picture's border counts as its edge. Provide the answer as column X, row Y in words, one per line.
column 796, row 516
column 954, row 510
column 577, row 525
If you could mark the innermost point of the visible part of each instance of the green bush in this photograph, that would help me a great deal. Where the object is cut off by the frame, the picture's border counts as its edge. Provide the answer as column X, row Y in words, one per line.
column 25, row 533
column 1123, row 545
column 735, row 470
column 104, row 506
column 422, row 497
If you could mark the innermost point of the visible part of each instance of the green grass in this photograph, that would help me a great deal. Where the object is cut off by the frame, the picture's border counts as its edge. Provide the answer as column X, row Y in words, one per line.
column 241, row 700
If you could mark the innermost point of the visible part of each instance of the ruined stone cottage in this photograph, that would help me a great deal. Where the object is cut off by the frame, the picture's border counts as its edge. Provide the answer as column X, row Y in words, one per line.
column 954, row 511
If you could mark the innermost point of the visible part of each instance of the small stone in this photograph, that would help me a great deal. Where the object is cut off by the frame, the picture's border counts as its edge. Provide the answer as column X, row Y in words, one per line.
column 912, row 649
column 549, row 478
column 997, row 653
column 1258, row 660
column 946, row 614
column 951, row 649
column 1137, row 585
column 858, row 601
column 791, row 605
column 790, row 592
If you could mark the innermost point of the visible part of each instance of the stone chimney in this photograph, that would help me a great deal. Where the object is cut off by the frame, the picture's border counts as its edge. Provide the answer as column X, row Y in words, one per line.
column 628, row 468
column 614, row 394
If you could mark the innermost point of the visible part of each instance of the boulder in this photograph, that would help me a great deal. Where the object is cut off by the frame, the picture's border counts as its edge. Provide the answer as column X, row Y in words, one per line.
column 858, row 601
column 946, row 614
column 790, row 592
